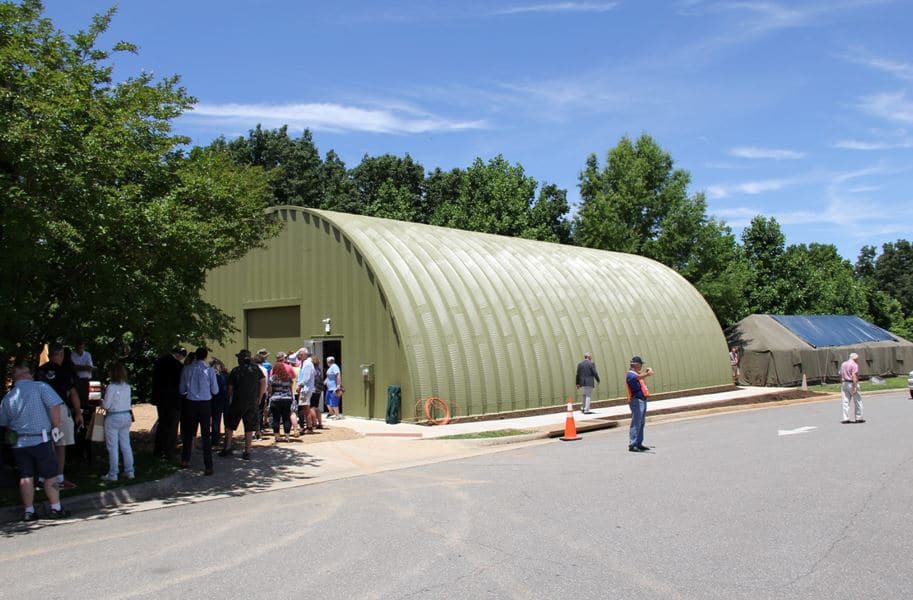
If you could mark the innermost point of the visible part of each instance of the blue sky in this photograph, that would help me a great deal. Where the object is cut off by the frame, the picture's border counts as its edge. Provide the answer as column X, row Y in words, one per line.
column 798, row 110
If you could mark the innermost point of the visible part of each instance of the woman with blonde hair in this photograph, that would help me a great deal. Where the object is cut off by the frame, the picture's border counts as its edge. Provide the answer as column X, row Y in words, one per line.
column 117, row 402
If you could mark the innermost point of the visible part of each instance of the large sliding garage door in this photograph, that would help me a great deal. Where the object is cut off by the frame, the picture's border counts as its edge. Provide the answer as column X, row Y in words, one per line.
column 276, row 329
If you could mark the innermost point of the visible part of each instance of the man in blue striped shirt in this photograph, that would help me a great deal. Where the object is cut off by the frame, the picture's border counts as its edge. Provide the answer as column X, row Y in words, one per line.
column 198, row 386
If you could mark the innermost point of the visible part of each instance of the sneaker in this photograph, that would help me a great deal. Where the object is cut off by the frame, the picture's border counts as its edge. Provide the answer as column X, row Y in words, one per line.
column 58, row 514
column 30, row 516
column 246, row 456
column 108, row 477
column 224, row 453
column 130, row 476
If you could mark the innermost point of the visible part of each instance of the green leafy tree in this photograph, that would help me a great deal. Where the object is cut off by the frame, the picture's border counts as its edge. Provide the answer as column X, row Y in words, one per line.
column 391, row 187
column 764, row 245
column 494, row 197
column 338, row 190
column 294, row 165
column 548, row 216
column 441, row 188
column 107, row 227
column 639, row 203
column 815, row 279
column 894, row 273
column 800, row 278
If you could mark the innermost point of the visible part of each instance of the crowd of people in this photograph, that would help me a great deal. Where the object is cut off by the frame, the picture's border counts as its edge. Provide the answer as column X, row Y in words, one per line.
column 47, row 414
column 283, row 398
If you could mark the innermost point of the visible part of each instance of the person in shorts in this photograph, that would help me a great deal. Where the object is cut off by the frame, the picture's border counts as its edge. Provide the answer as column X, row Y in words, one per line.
column 307, row 414
column 63, row 381
column 333, row 382
column 31, row 413
column 246, row 385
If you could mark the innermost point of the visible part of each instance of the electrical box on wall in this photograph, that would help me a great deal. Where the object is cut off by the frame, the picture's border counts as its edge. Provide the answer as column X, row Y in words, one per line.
column 367, row 373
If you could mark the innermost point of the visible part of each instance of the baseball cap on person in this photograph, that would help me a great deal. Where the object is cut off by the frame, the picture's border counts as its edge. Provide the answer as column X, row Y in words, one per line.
column 637, row 360
column 305, row 350
column 243, row 353
column 280, row 355
column 263, row 352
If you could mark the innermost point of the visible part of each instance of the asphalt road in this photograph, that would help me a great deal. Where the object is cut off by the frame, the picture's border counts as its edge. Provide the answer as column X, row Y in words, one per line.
column 724, row 507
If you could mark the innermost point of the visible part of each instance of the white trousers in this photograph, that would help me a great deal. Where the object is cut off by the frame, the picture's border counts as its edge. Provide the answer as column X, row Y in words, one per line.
column 849, row 398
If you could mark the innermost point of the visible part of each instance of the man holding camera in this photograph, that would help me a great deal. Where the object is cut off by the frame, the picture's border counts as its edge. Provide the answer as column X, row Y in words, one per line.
column 637, row 400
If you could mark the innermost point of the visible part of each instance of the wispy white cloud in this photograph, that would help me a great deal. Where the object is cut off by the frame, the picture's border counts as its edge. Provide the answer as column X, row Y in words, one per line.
column 864, row 189
column 767, row 153
column 558, row 7
column 900, row 70
column 894, row 106
column 833, row 182
column 841, row 202
column 749, row 188
column 771, row 15
column 873, row 145
column 753, row 20
column 728, row 166
column 393, row 118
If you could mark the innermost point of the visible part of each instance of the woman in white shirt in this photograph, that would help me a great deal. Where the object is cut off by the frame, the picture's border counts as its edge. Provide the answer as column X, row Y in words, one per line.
column 118, row 404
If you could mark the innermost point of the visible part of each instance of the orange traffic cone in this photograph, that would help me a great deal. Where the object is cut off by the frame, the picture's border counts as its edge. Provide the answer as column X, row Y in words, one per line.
column 570, row 429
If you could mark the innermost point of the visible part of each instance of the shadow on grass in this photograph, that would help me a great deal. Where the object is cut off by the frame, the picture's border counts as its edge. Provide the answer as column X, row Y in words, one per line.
column 165, row 483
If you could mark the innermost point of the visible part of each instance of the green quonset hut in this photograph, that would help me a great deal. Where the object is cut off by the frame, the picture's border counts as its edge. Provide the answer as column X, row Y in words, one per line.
column 490, row 324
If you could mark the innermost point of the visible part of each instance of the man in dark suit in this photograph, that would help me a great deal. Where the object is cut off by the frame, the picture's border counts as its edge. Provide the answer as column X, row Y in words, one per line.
column 587, row 377
column 166, row 379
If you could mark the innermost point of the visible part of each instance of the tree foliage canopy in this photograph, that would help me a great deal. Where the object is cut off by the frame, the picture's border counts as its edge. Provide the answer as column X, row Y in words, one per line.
column 639, row 203
column 107, row 227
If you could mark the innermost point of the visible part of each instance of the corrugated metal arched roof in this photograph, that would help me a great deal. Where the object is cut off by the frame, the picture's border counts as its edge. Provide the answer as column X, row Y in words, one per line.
column 496, row 323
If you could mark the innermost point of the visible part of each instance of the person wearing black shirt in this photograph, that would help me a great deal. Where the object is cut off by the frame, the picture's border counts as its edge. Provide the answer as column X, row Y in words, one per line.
column 166, row 379
column 63, row 381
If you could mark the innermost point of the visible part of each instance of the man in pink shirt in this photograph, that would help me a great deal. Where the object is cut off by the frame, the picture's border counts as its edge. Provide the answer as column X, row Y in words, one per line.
column 849, row 390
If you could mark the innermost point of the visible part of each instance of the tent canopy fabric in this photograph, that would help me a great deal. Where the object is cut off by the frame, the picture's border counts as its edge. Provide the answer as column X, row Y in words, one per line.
column 773, row 354
column 833, row 330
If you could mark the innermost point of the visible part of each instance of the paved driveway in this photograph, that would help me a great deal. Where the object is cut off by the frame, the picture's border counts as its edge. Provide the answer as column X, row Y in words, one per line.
column 773, row 503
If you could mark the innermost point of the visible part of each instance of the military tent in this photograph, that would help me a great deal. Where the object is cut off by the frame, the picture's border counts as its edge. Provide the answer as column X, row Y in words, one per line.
column 777, row 350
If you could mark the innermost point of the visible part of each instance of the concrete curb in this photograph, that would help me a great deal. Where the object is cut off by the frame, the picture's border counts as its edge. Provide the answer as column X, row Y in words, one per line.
column 588, row 426
column 106, row 499
column 510, row 439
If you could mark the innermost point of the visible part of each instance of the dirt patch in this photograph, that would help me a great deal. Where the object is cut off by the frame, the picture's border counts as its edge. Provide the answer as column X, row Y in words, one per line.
column 332, row 432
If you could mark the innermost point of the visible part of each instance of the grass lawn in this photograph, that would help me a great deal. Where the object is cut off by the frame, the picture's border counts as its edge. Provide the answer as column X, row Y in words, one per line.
column 480, row 435
column 890, row 383
column 87, row 476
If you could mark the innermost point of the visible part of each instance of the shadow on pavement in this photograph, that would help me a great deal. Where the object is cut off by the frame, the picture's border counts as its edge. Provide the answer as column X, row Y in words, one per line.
column 232, row 477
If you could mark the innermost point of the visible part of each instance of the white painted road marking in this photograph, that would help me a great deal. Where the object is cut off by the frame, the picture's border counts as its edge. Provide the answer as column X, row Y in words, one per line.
column 798, row 430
